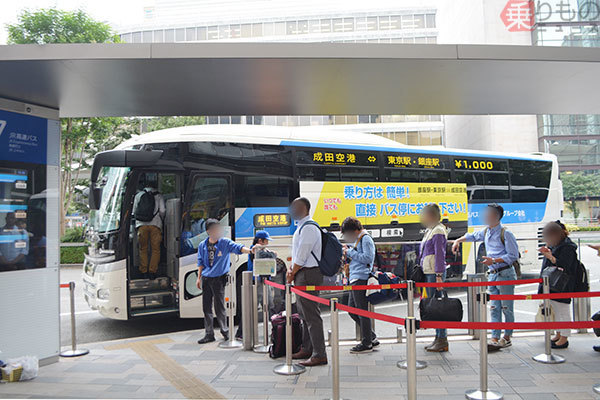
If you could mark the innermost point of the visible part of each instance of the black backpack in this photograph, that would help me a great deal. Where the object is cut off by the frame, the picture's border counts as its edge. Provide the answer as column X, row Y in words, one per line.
column 331, row 251
column 144, row 210
column 581, row 279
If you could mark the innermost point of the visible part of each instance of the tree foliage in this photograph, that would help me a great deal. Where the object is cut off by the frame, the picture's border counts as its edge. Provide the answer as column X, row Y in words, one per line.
column 50, row 25
column 577, row 186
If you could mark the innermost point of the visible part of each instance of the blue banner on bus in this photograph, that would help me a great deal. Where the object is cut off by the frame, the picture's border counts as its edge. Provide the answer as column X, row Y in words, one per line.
column 23, row 138
column 514, row 213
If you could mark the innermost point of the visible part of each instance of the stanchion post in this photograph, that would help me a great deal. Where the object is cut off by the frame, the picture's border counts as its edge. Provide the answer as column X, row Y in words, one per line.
column 264, row 348
column 248, row 320
column 483, row 393
column 472, row 305
column 74, row 352
column 288, row 368
column 547, row 357
column 232, row 343
column 255, row 282
column 410, row 312
column 582, row 310
column 371, row 308
column 411, row 357
column 335, row 351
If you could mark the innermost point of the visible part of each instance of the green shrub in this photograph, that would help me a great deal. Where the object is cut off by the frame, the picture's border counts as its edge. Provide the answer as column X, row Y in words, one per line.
column 72, row 255
column 589, row 229
column 73, row 235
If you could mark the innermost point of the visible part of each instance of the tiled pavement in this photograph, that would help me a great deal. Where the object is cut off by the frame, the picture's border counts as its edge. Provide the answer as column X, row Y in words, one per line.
column 174, row 366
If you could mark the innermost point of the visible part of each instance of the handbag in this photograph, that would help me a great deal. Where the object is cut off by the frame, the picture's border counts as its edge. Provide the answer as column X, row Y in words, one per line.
column 557, row 279
column 417, row 274
column 441, row 308
column 539, row 317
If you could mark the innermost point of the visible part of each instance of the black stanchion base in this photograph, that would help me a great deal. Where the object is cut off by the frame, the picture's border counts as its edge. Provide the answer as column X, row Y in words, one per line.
column 74, row 353
column 477, row 394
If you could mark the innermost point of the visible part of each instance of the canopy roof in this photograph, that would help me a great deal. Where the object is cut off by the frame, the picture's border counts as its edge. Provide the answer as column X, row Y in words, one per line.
column 300, row 79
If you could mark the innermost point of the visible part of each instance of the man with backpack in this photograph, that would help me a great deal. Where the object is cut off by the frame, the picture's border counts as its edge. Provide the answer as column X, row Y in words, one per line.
column 305, row 271
column 502, row 252
column 149, row 212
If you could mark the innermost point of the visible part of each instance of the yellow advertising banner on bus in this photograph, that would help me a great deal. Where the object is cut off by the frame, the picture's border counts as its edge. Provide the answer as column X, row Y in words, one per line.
column 376, row 203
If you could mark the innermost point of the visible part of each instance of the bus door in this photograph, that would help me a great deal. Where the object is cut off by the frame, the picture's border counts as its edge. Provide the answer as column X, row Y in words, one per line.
column 207, row 196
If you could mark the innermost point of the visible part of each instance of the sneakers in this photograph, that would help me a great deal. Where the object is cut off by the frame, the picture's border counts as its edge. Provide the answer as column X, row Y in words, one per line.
column 496, row 345
column 375, row 343
column 504, row 343
column 361, row 348
column 206, row 339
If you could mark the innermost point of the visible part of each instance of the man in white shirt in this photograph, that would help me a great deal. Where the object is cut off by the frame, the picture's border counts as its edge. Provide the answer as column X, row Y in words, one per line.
column 306, row 253
column 149, row 225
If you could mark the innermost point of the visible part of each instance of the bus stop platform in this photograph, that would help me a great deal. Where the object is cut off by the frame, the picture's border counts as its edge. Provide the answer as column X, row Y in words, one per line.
column 175, row 366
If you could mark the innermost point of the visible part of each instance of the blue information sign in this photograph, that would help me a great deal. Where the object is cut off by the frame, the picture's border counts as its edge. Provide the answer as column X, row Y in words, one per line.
column 23, row 138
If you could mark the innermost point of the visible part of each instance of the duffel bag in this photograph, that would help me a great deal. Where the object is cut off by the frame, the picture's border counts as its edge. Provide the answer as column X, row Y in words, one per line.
column 441, row 308
column 277, row 348
column 381, row 295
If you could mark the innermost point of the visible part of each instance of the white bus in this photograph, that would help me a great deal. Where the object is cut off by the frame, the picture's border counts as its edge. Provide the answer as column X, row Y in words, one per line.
column 247, row 175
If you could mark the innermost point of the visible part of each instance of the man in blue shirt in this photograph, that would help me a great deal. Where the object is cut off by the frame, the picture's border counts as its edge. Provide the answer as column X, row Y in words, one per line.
column 361, row 254
column 502, row 251
column 213, row 267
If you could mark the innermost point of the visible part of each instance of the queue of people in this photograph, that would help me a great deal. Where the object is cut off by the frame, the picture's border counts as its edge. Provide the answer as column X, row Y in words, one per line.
column 502, row 256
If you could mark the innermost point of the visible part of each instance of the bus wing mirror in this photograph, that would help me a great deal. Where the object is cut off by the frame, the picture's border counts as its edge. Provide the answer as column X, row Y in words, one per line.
column 95, row 195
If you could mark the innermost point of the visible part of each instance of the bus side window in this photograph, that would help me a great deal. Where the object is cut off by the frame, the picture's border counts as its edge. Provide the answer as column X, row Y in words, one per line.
column 475, row 185
column 402, row 175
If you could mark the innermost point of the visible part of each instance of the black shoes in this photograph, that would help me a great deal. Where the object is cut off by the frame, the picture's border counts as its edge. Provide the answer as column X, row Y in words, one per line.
column 596, row 348
column 206, row 339
column 152, row 276
column 375, row 343
column 559, row 346
column 361, row 348
column 225, row 335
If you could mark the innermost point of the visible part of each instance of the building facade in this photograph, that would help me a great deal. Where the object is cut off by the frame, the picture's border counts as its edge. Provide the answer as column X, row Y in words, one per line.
column 301, row 21
column 575, row 139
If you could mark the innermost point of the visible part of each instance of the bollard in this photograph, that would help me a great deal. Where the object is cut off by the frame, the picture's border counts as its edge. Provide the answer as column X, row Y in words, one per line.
column 472, row 305
column 582, row 310
column 231, row 343
column 264, row 348
column 547, row 357
column 248, row 321
column 410, row 296
column 288, row 368
column 399, row 334
column 335, row 351
column 74, row 352
column 483, row 393
column 411, row 357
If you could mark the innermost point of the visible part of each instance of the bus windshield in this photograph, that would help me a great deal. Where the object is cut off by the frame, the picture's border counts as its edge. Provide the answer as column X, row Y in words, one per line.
column 108, row 216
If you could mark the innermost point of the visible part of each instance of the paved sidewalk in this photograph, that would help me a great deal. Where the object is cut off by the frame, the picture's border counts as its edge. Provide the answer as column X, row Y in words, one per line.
column 175, row 366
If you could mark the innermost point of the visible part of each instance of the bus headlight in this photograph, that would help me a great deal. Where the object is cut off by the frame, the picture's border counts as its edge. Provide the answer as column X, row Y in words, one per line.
column 103, row 294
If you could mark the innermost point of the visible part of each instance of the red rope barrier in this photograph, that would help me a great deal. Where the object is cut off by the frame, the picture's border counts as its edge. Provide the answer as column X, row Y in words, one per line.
column 510, row 325
column 373, row 315
column 310, row 297
column 485, row 283
column 353, row 287
column 64, row 285
column 537, row 296
column 275, row 285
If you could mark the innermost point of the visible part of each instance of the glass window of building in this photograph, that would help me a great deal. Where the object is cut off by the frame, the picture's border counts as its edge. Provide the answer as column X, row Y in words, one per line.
column 137, row 37
column 257, row 30
column 147, row 37
column 303, row 27
column 246, row 30
column 159, row 36
column 201, row 33
column 180, row 35
column 213, row 33
column 235, row 31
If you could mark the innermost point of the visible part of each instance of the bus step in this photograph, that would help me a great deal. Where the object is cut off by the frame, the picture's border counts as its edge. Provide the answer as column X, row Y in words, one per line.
column 144, row 285
column 152, row 300
column 154, row 311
